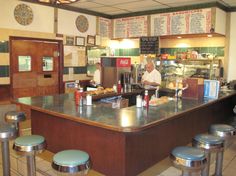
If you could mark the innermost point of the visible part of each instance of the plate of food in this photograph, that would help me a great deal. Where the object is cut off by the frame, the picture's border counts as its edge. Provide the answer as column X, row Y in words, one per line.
column 158, row 101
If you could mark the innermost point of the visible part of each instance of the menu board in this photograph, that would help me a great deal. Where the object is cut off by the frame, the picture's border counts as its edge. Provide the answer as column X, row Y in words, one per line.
column 182, row 22
column 149, row 45
column 178, row 23
column 162, row 24
column 200, row 21
column 104, row 27
column 130, row 27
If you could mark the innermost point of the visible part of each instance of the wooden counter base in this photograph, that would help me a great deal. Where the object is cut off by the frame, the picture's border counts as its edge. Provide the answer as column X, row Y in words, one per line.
column 117, row 153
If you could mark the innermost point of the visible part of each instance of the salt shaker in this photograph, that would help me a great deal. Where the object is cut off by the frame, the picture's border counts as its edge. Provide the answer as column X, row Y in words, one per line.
column 88, row 100
column 138, row 101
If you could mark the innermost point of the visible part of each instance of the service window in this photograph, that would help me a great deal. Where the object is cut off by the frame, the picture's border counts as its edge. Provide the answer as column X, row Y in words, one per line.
column 24, row 63
column 47, row 63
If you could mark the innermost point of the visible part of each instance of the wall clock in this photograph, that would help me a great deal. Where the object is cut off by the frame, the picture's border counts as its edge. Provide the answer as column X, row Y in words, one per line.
column 82, row 23
column 23, row 14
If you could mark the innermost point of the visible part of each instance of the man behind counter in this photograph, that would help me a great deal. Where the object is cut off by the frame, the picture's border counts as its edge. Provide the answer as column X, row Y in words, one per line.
column 151, row 77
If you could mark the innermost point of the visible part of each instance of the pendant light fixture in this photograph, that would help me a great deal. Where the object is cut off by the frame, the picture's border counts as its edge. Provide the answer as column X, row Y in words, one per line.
column 58, row 1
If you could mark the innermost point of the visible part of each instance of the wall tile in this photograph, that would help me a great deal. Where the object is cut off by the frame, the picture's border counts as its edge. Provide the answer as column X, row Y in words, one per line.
column 66, row 70
column 4, row 71
column 4, row 47
column 80, row 70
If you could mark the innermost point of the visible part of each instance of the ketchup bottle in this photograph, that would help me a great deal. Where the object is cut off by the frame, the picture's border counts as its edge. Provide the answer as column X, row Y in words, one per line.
column 119, row 87
column 146, row 99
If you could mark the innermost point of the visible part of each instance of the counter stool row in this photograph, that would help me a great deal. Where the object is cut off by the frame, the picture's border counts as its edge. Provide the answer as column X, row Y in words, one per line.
column 68, row 161
column 197, row 158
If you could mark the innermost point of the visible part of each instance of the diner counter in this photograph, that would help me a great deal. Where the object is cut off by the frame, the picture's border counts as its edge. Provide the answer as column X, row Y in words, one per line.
column 127, row 119
column 124, row 142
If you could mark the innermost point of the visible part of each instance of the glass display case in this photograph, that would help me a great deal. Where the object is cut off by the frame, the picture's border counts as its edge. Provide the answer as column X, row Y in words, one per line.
column 203, row 68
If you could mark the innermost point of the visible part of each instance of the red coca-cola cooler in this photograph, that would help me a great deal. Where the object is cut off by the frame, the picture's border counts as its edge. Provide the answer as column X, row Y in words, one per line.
column 113, row 69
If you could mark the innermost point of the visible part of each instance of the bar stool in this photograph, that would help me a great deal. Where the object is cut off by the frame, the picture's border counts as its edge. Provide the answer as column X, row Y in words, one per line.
column 30, row 146
column 15, row 117
column 188, row 159
column 71, row 161
column 7, row 132
column 209, row 144
column 226, row 132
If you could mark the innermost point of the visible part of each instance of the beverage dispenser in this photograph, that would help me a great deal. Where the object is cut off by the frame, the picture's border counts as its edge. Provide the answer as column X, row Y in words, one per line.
column 114, row 69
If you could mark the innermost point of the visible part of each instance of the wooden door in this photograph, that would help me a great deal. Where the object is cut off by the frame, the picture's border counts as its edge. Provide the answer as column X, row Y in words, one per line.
column 34, row 68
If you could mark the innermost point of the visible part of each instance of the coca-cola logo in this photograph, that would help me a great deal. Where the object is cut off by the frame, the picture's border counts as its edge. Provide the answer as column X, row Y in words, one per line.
column 124, row 62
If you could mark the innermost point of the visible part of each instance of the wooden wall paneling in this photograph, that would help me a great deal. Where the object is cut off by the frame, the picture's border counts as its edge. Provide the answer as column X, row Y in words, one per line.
column 4, row 92
column 105, row 147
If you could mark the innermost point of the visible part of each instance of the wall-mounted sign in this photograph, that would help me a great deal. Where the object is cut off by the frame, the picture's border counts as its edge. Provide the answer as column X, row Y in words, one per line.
column 105, row 27
column 130, row 27
column 182, row 22
column 149, row 45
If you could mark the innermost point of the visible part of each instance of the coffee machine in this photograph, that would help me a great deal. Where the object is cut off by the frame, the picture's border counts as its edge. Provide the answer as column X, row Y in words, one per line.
column 126, row 80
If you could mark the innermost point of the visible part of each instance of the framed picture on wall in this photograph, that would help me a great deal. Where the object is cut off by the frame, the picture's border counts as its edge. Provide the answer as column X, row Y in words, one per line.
column 69, row 40
column 91, row 40
column 79, row 41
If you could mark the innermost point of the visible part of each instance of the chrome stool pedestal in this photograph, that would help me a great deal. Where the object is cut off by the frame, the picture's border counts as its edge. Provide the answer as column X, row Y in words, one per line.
column 225, row 132
column 7, row 132
column 209, row 144
column 30, row 146
column 188, row 159
column 15, row 117
column 71, row 161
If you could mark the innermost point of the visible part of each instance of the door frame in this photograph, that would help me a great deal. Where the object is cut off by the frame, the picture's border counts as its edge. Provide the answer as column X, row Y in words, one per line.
column 60, row 62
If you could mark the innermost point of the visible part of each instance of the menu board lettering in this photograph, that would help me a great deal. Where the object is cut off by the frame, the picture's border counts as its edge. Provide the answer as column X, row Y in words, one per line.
column 149, row 45
column 130, row 27
column 162, row 25
column 105, row 27
column 182, row 22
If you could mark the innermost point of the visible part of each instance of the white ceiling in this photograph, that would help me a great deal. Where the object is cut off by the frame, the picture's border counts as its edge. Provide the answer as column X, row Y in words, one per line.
column 117, row 7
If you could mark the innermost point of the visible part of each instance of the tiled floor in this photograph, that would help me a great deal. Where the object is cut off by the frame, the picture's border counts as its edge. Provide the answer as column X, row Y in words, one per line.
column 163, row 168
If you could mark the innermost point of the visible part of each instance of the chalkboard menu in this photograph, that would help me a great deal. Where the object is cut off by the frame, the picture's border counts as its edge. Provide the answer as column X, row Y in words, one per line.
column 149, row 45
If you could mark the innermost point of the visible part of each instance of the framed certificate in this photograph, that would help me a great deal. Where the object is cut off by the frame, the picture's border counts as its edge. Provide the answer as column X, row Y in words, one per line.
column 91, row 40
column 79, row 41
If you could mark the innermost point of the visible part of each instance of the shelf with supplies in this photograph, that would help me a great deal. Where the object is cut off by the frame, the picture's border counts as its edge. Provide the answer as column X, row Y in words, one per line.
column 203, row 68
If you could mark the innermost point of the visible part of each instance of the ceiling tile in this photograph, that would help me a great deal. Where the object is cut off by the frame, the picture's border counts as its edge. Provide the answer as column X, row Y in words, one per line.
column 105, row 9
column 138, row 4
column 146, row 8
column 110, row 2
column 85, row 5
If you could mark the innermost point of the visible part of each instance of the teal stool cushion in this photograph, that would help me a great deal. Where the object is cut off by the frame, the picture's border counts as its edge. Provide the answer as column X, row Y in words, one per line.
column 31, row 140
column 208, row 139
column 70, row 158
column 188, row 153
column 222, row 128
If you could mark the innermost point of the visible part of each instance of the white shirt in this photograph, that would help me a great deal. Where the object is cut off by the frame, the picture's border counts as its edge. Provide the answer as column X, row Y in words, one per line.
column 97, row 77
column 153, row 76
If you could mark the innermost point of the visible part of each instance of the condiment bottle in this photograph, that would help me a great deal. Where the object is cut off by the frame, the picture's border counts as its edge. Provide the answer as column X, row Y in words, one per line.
column 76, row 94
column 80, row 97
column 146, row 99
column 119, row 87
